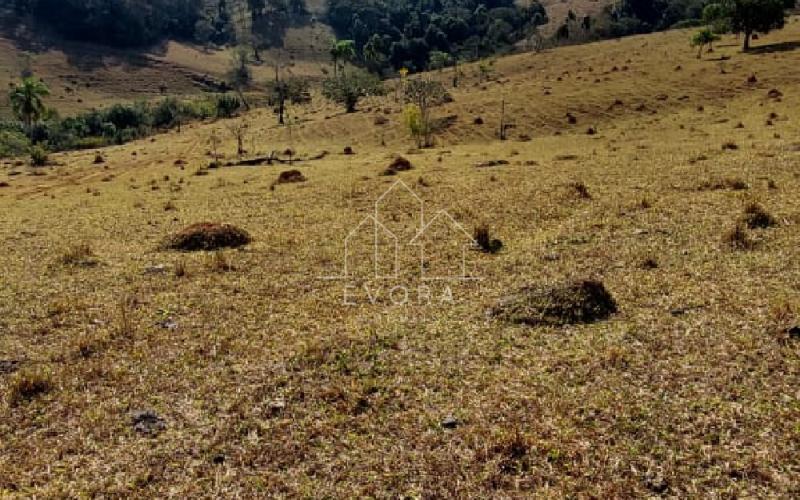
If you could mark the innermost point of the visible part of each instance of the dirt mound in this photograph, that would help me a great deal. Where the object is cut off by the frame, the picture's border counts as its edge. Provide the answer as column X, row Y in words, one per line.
column 399, row 164
column 290, row 176
column 574, row 302
column 757, row 217
column 207, row 236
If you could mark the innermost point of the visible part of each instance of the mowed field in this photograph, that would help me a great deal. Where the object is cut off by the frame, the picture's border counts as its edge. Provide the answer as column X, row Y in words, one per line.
column 269, row 378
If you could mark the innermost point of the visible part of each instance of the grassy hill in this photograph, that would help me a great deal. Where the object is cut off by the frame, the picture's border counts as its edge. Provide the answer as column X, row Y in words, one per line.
column 84, row 76
column 265, row 378
column 557, row 11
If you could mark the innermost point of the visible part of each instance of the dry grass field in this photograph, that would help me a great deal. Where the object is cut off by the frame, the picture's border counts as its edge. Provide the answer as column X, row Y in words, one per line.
column 629, row 162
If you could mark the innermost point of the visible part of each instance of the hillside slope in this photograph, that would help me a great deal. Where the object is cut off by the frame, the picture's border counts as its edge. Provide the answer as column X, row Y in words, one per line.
column 129, row 370
column 557, row 11
column 83, row 76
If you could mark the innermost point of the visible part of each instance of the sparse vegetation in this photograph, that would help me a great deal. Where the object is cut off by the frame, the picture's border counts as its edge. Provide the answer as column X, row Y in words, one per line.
column 79, row 255
column 737, row 238
column 285, row 367
column 29, row 384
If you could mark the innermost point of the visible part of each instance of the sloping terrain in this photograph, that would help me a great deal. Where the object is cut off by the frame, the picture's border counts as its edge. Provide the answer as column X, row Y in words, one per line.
column 84, row 76
column 130, row 370
column 557, row 11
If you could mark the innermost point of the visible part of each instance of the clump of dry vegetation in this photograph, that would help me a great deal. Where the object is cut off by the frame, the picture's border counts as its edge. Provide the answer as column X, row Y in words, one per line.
column 737, row 238
column 574, row 302
column 79, row 255
column 757, row 217
column 484, row 240
column 220, row 263
column 732, row 183
column 207, row 236
column 27, row 384
column 580, row 189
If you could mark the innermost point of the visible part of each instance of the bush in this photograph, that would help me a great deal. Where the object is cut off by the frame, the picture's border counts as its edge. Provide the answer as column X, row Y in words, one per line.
column 127, row 116
column 28, row 384
column 227, row 106
column 166, row 113
column 348, row 88
column 38, row 155
column 13, row 143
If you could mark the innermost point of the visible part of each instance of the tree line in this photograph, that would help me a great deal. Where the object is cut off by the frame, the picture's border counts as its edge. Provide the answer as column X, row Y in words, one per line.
column 394, row 34
column 630, row 17
column 135, row 23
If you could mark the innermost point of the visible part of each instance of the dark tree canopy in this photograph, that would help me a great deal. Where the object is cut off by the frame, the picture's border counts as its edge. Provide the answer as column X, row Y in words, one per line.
column 129, row 23
column 404, row 33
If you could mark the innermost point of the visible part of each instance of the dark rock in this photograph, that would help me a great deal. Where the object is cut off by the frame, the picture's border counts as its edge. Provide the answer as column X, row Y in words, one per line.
column 8, row 366
column 147, row 423
column 450, row 422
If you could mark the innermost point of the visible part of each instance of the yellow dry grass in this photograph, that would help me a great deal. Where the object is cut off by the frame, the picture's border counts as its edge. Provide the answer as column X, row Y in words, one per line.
column 269, row 385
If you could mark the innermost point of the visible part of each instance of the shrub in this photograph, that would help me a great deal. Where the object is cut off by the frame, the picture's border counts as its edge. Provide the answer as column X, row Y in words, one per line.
column 738, row 239
column 349, row 88
column 485, row 242
column 13, row 143
column 39, row 157
column 166, row 113
column 227, row 106
column 29, row 384
column 581, row 190
column 412, row 119
column 79, row 255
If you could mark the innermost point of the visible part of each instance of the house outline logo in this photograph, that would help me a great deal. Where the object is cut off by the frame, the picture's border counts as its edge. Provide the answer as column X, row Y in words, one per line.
column 380, row 230
column 470, row 243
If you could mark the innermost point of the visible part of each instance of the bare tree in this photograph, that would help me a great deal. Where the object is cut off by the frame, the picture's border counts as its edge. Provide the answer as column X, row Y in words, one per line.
column 239, row 132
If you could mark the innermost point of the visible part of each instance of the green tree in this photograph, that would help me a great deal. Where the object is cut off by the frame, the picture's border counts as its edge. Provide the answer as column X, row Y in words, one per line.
column 27, row 101
column 282, row 90
column 752, row 16
column 423, row 95
column 439, row 60
column 374, row 53
column 702, row 38
column 348, row 89
column 342, row 51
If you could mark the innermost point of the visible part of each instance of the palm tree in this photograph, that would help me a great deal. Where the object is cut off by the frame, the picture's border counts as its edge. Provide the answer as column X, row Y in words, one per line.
column 26, row 101
column 342, row 50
